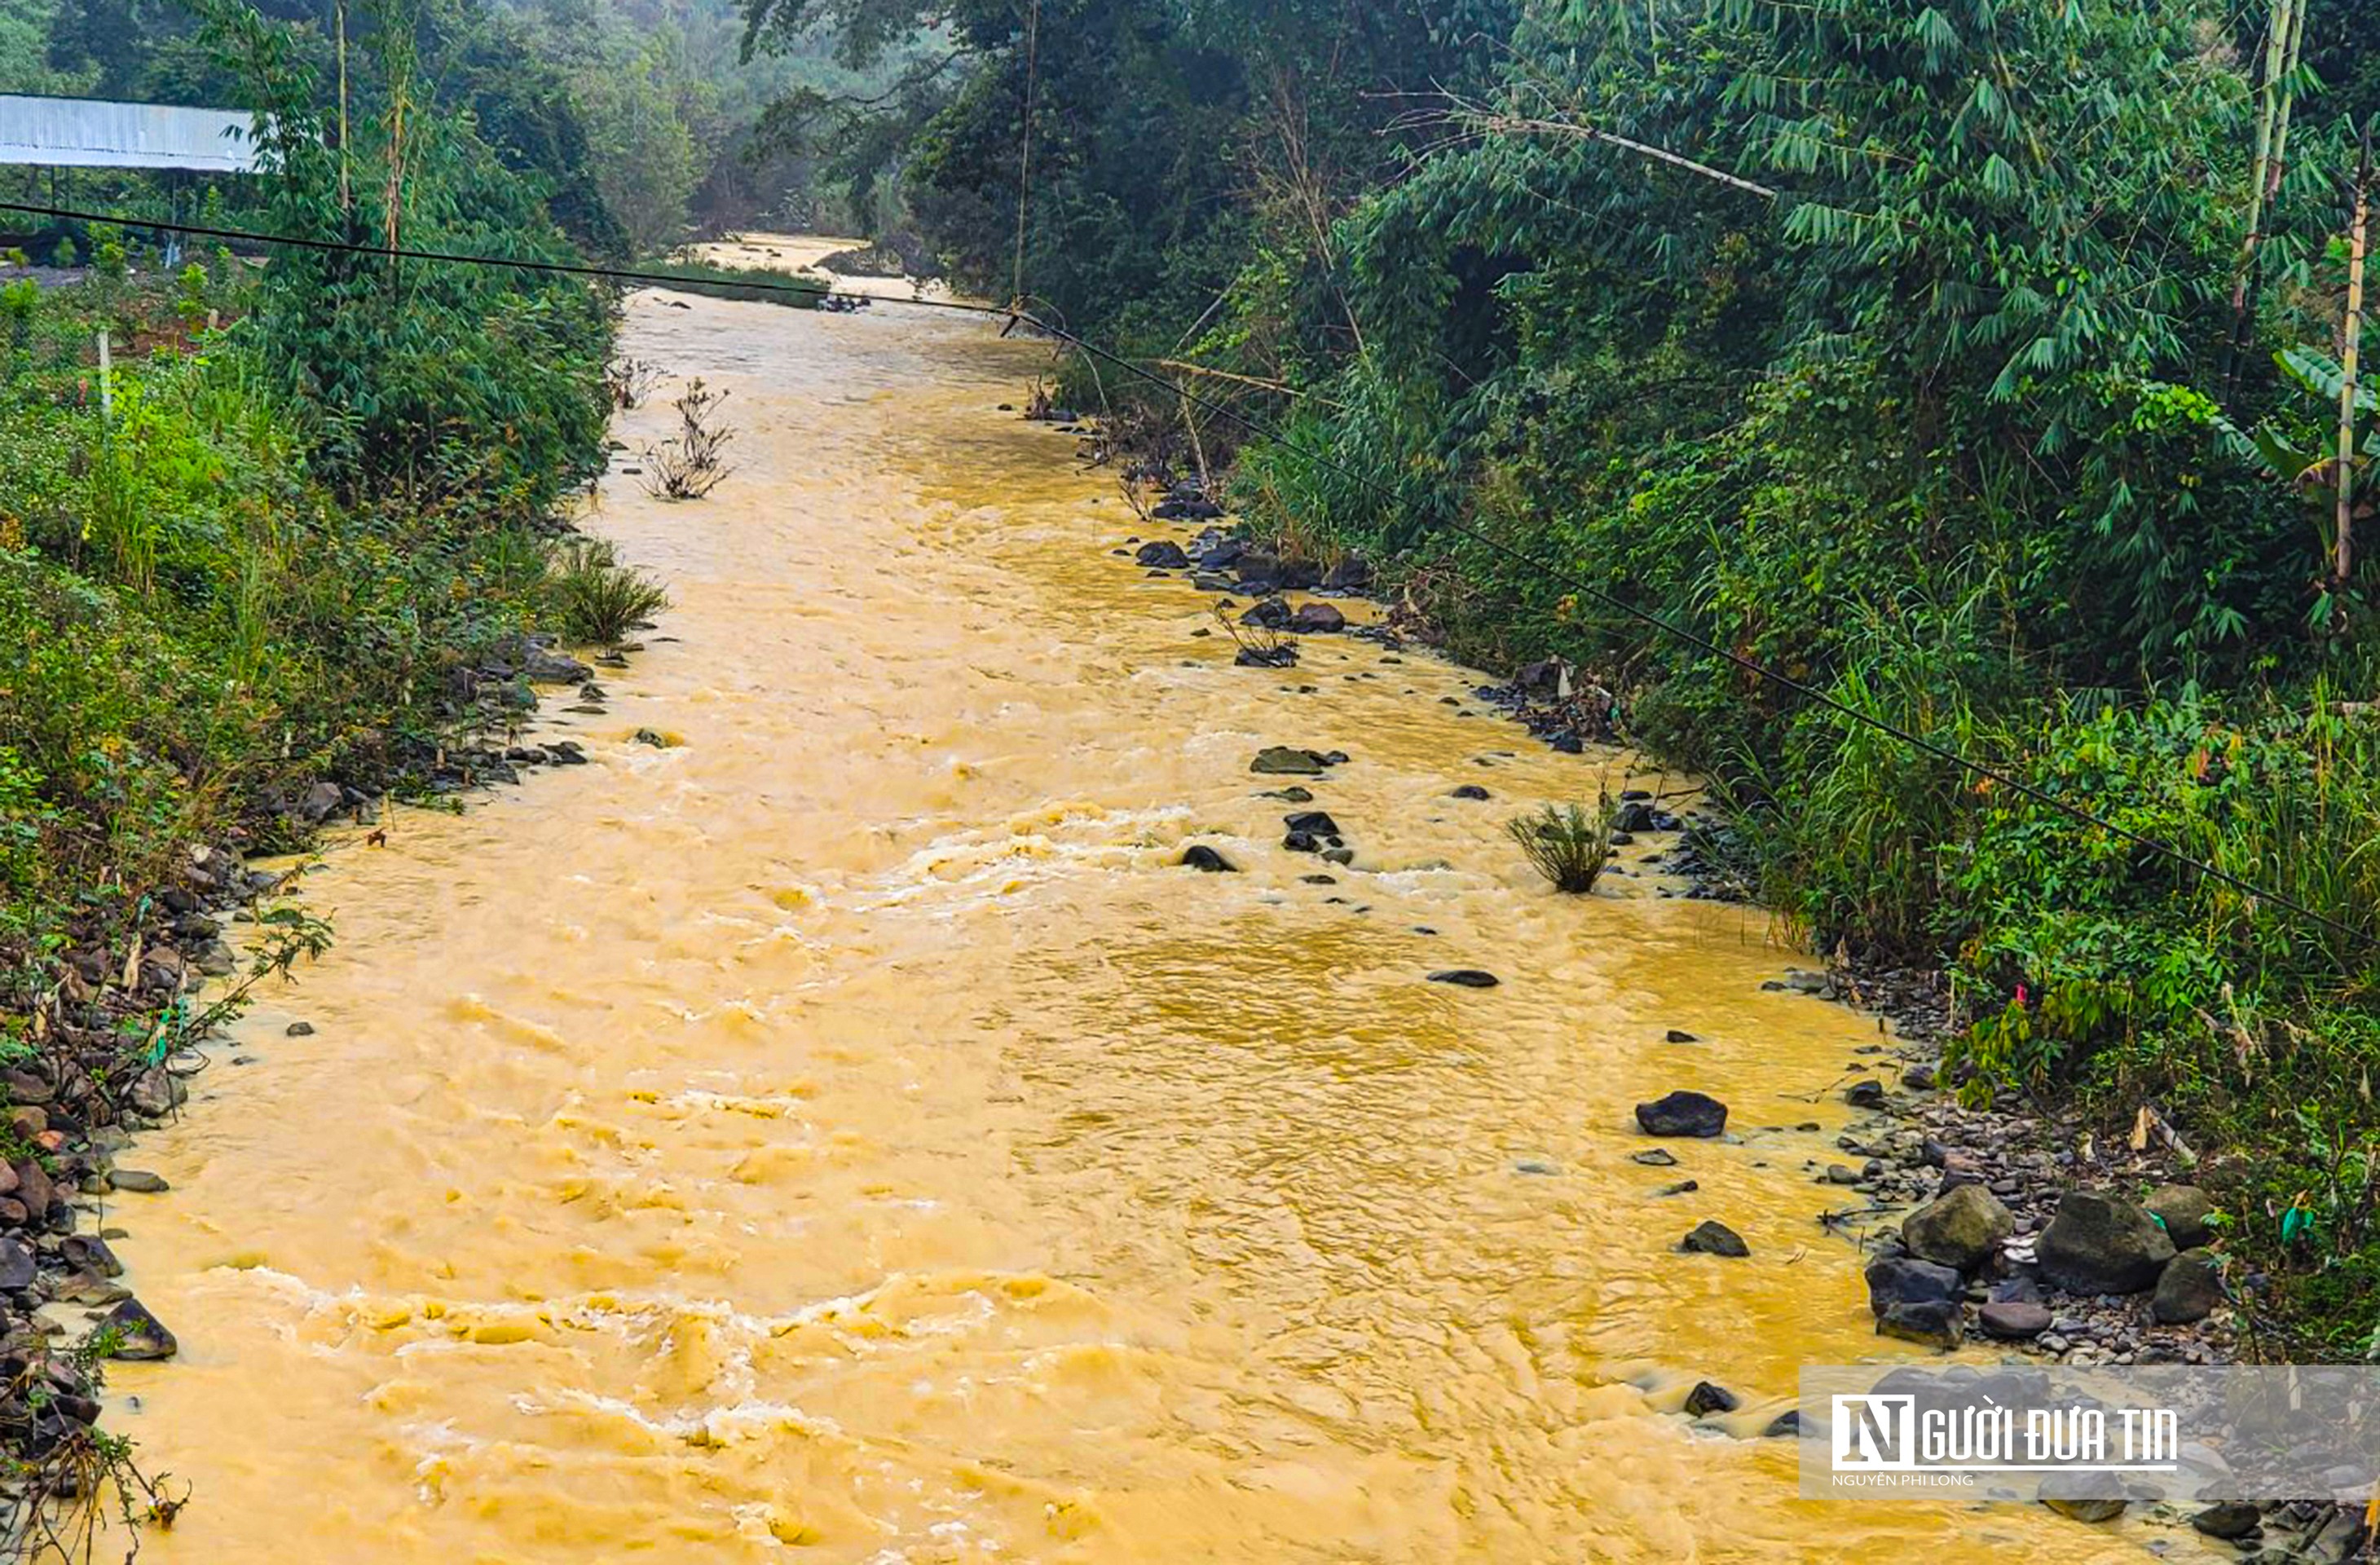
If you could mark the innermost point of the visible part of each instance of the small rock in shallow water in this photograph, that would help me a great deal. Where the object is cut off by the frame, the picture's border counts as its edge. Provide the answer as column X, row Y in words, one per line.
column 1679, row 1035
column 1294, row 796
column 1465, row 977
column 1654, row 1158
column 1282, row 761
column 1316, row 821
column 1163, row 555
column 1786, row 1426
column 1706, row 1398
column 140, row 1336
column 1200, row 856
column 1684, row 1188
column 1469, row 790
column 1711, row 1238
column 139, row 1180
column 1864, row 1095
column 298, row 1029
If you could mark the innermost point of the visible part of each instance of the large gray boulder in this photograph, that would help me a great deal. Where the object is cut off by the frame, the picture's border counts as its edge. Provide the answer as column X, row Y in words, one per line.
column 1963, row 1227
column 2101, row 1243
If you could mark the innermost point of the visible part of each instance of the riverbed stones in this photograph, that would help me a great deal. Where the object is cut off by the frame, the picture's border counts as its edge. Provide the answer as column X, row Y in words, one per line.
column 298, row 1029
column 1316, row 619
column 1679, row 1034
column 1200, row 856
column 1469, row 790
column 1934, row 1323
column 2100, row 1243
column 1864, row 1095
column 1654, row 1158
column 1466, row 978
column 140, row 1182
column 2189, row 1290
column 1709, row 1397
column 140, row 1336
column 84, row 1252
column 1283, row 760
column 1714, row 1238
column 1315, row 822
column 1682, row 1113
column 16, row 1266
column 2014, row 1320
column 1895, row 1278
column 2231, row 1520
column 1162, row 556
column 2083, row 1497
column 2183, row 1208
column 1962, row 1227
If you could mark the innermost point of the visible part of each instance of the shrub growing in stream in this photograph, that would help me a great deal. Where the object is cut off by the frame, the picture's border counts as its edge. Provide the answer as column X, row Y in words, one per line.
column 1569, row 844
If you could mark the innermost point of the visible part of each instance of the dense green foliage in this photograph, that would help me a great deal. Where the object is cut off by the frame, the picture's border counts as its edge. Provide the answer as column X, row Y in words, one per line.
column 260, row 549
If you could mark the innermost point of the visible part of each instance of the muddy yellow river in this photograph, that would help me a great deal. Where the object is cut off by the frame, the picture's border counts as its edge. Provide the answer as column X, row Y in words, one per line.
column 848, row 1136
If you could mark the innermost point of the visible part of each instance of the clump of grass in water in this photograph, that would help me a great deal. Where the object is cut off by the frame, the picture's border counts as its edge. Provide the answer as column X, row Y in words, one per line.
column 1569, row 843
column 599, row 599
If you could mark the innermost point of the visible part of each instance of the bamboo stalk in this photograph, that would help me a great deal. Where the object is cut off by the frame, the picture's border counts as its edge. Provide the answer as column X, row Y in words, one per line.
column 2268, row 112
column 1256, row 380
column 2352, row 336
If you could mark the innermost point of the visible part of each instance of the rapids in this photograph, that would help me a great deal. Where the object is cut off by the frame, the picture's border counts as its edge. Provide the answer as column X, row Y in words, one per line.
column 847, row 1135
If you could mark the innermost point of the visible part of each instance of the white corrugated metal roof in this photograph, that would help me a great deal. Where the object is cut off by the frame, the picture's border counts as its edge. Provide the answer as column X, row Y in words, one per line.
column 90, row 133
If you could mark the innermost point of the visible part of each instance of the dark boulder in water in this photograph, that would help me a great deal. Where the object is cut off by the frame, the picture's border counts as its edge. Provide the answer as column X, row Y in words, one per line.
column 1682, row 1113
column 1201, row 857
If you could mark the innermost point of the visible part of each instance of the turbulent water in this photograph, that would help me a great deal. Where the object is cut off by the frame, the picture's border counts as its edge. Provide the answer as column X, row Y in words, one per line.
column 848, row 1136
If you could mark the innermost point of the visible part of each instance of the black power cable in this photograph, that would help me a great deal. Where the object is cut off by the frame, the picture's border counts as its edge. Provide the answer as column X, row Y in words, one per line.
column 1996, row 776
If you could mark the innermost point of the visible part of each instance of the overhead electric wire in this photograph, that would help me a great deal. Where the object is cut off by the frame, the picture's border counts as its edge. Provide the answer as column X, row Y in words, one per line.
column 1998, row 776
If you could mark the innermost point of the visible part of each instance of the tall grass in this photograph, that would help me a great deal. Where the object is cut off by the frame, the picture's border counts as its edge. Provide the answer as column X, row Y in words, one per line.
column 599, row 599
column 1569, row 844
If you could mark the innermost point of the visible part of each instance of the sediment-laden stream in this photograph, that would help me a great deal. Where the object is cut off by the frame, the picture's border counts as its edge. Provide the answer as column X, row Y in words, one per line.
column 849, row 1135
